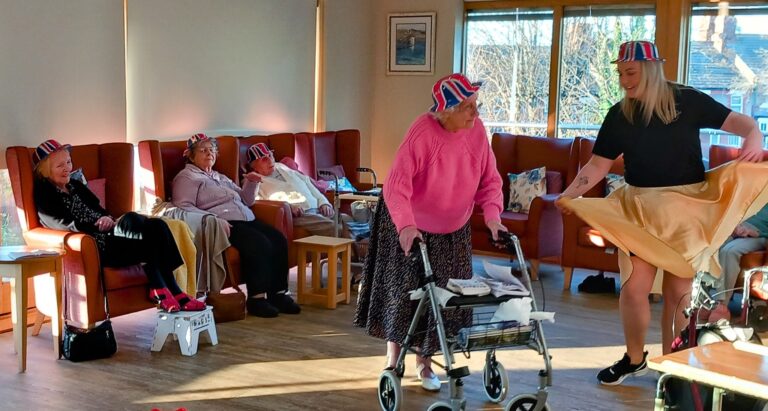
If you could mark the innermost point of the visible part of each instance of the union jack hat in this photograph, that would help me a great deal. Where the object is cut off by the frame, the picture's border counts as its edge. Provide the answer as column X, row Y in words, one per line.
column 46, row 148
column 451, row 90
column 638, row 51
column 257, row 151
column 197, row 138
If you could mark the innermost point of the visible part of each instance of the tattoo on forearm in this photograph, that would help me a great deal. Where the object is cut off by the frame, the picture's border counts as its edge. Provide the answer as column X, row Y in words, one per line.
column 583, row 180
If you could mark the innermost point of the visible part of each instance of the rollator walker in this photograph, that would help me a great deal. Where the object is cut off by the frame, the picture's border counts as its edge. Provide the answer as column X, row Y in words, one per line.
column 483, row 334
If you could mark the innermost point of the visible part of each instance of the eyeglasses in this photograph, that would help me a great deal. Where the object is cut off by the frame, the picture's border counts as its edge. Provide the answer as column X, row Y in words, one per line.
column 469, row 108
column 207, row 150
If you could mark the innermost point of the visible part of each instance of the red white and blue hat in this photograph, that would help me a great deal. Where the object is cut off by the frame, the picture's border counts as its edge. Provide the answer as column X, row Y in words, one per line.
column 46, row 148
column 195, row 139
column 451, row 90
column 638, row 51
column 257, row 151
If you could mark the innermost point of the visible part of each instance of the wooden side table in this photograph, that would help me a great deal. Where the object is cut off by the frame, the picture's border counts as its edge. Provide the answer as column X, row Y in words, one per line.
column 738, row 367
column 19, row 270
column 334, row 248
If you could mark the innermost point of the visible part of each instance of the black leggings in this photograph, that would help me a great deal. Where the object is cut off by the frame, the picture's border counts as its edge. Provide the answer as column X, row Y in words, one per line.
column 156, row 249
column 263, row 256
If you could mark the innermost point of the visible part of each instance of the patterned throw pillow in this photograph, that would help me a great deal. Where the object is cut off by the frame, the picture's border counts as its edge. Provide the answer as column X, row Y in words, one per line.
column 524, row 187
column 612, row 182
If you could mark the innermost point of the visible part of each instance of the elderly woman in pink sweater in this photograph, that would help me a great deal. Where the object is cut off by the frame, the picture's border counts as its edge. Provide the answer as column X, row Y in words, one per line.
column 442, row 169
column 263, row 249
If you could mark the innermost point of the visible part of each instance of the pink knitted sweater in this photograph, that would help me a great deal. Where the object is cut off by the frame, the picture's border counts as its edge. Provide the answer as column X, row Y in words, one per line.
column 438, row 176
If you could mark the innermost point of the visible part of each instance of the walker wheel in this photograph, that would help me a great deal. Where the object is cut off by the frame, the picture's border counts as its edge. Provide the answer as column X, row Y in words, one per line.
column 496, row 381
column 390, row 391
column 524, row 402
column 440, row 406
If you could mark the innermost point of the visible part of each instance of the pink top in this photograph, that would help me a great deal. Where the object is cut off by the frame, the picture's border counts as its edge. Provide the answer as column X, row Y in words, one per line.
column 438, row 176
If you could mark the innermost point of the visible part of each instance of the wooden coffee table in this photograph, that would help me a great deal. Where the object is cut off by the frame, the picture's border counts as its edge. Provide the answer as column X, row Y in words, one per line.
column 737, row 367
column 19, row 270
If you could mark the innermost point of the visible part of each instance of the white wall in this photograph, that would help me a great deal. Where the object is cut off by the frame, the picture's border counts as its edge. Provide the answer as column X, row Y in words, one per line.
column 61, row 71
column 349, row 51
column 398, row 100
column 218, row 66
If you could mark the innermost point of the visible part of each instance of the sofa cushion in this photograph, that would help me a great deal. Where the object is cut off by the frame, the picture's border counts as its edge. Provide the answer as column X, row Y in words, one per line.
column 554, row 182
column 524, row 187
column 124, row 277
column 336, row 170
column 515, row 222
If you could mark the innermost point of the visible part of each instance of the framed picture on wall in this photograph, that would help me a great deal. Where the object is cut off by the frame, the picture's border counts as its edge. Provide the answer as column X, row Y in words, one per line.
column 411, row 44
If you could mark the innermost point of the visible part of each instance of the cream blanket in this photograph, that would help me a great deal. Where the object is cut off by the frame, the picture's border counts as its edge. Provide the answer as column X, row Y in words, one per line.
column 210, row 241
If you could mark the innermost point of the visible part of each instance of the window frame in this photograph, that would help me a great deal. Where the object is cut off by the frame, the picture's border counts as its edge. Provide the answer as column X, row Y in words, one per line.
column 672, row 35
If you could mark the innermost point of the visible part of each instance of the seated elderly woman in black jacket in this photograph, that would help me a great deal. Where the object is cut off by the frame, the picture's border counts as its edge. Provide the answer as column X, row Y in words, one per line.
column 67, row 204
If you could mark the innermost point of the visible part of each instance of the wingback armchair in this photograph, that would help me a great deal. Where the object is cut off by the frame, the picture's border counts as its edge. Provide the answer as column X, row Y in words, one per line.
column 126, row 286
column 161, row 161
column 325, row 149
column 541, row 230
column 583, row 246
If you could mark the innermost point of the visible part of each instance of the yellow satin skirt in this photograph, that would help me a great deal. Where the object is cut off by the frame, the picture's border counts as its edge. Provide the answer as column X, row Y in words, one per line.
column 678, row 229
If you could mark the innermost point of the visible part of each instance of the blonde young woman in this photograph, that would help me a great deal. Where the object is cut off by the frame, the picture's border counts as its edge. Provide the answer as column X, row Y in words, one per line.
column 670, row 215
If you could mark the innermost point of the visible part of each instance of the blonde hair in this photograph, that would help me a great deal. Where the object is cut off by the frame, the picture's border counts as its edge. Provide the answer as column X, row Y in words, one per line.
column 43, row 168
column 657, row 96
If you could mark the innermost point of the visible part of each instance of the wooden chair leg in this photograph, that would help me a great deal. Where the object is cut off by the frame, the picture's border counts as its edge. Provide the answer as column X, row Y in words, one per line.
column 567, row 278
column 534, row 269
column 39, row 319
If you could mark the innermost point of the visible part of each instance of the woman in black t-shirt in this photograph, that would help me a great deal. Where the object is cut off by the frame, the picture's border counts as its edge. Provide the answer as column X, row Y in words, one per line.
column 671, row 216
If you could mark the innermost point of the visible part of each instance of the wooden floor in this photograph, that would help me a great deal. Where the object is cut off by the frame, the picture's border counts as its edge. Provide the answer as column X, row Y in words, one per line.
column 319, row 361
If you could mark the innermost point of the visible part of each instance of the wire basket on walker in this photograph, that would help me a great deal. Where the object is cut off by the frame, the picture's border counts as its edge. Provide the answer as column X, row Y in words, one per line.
column 484, row 334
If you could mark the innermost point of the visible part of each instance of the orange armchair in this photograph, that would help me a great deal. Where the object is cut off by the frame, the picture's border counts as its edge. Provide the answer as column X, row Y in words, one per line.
column 583, row 246
column 126, row 286
column 540, row 231
column 161, row 161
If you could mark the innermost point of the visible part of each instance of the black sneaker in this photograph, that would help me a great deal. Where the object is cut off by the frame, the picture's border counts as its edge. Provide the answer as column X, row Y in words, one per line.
column 260, row 307
column 622, row 369
column 285, row 304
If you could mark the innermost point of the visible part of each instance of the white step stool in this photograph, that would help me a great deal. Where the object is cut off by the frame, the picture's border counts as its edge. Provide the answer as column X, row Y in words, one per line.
column 185, row 326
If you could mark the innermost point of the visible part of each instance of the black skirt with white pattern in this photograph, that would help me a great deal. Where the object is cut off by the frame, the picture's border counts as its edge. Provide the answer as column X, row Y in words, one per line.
column 384, row 308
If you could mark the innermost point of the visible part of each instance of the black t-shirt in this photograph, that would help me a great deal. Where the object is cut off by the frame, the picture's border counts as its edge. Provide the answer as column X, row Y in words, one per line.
column 661, row 155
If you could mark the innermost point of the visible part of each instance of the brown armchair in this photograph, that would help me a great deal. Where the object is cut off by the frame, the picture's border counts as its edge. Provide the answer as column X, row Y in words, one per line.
column 161, row 161
column 540, row 231
column 126, row 286
column 583, row 246
column 329, row 148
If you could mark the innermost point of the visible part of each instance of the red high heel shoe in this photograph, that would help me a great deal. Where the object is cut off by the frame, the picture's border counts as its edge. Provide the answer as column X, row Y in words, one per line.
column 164, row 298
column 188, row 303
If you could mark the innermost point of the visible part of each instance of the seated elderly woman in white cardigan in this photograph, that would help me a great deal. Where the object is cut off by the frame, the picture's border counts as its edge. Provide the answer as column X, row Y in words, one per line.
column 276, row 181
column 263, row 249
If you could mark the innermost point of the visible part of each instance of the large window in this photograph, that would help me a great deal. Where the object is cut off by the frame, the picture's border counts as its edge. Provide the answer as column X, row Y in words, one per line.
column 728, row 59
column 10, row 231
column 510, row 52
column 589, row 85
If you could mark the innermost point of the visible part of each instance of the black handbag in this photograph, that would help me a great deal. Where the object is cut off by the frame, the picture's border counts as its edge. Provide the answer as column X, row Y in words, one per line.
column 82, row 345
column 79, row 344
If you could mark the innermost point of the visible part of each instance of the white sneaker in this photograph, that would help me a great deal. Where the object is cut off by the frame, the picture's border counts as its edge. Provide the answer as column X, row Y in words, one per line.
column 431, row 383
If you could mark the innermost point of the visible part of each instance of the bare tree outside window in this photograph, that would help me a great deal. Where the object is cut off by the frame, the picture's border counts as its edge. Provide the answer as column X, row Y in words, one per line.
column 510, row 53
column 589, row 85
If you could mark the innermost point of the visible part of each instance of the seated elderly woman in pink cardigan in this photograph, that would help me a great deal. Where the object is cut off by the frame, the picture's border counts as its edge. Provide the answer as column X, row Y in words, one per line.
column 263, row 249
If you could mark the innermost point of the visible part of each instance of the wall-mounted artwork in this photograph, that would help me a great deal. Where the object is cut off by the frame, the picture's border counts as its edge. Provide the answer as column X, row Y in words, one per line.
column 411, row 43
